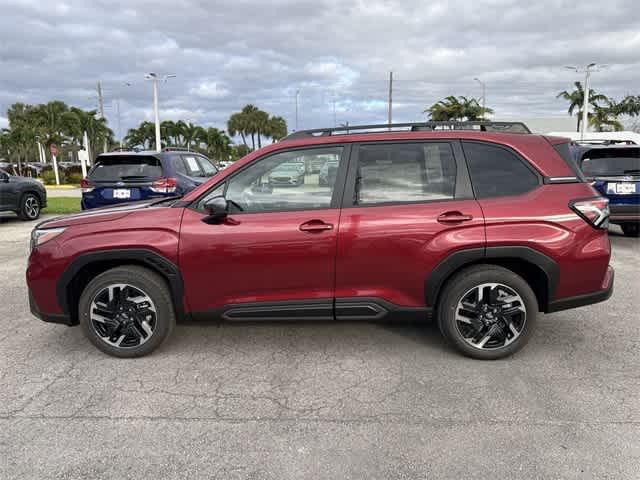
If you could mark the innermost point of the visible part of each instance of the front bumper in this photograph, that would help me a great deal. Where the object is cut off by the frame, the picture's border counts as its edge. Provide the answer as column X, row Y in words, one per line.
column 624, row 213
column 51, row 318
column 586, row 299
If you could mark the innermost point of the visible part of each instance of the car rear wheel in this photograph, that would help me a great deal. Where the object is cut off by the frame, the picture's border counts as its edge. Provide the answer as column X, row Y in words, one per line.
column 487, row 312
column 29, row 207
column 631, row 229
column 127, row 311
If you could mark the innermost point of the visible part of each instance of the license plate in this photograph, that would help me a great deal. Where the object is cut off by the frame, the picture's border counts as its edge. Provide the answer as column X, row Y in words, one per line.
column 121, row 193
column 622, row 188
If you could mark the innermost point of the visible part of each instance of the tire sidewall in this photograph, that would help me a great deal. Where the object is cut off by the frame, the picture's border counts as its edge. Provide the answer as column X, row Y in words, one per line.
column 151, row 285
column 464, row 282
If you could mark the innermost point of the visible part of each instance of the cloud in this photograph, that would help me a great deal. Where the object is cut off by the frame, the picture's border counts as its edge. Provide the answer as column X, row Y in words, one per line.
column 231, row 53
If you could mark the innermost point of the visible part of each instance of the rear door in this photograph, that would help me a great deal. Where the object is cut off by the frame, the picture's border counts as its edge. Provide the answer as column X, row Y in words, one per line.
column 407, row 206
column 123, row 178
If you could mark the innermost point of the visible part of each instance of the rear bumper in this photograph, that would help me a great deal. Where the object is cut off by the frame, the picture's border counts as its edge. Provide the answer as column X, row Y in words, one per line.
column 586, row 299
column 51, row 318
column 624, row 213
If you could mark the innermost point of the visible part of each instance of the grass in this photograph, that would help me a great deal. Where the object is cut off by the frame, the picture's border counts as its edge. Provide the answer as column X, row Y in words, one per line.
column 61, row 205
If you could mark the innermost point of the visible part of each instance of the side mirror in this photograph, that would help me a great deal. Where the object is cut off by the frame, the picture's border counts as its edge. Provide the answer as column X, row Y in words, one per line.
column 217, row 209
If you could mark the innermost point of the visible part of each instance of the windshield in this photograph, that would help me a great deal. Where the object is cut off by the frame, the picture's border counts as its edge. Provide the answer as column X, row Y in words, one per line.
column 132, row 168
column 611, row 162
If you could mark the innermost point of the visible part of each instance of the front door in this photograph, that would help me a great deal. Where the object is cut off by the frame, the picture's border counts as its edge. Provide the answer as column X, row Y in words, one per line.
column 407, row 206
column 274, row 255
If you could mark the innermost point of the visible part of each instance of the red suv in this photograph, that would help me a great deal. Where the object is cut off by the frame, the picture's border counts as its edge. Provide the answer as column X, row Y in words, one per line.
column 475, row 225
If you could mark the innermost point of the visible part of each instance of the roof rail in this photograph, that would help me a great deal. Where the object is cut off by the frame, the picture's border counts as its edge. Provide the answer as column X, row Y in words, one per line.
column 176, row 149
column 482, row 126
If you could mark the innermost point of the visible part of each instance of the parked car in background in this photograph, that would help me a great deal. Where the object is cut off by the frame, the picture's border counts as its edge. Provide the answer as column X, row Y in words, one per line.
column 479, row 230
column 614, row 171
column 24, row 196
column 121, row 177
column 287, row 174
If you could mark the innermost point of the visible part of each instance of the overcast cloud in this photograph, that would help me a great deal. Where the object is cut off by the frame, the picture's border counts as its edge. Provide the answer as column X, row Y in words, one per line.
column 230, row 53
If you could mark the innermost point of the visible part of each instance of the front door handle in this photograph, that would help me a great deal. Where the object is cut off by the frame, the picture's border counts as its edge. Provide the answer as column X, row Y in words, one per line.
column 454, row 217
column 315, row 226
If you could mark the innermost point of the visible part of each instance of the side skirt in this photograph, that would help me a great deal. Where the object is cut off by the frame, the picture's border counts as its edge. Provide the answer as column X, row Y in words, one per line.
column 366, row 309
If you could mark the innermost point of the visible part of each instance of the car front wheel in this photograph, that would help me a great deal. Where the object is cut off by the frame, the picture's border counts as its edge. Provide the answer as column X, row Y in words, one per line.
column 127, row 311
column 487, row 312
column 29, row 207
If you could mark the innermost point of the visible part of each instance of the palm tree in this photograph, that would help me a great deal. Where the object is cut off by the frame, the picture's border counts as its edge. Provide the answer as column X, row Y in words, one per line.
column 144, row 136
column 169, row 130
column 191, row 134
column 576, row 100
column 237, row 125
column 277, row 128
column 98, row 133
column 604, row 118
column 458, row 109
column 218, row 144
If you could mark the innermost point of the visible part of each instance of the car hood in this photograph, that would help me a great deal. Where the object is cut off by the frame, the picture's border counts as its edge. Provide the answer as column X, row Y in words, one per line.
column 104, row 214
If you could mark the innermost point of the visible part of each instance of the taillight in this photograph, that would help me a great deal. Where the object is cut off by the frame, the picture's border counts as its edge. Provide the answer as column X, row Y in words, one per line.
column 85, row 186
column 164, row 185
column 594, row 211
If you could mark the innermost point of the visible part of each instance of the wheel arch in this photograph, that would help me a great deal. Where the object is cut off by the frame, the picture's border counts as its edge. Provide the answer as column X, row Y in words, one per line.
column 538, row 270
column 86, row 266
column 26, row 191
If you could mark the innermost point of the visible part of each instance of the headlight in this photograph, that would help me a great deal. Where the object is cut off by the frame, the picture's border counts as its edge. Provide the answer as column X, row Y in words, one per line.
column 39, row 236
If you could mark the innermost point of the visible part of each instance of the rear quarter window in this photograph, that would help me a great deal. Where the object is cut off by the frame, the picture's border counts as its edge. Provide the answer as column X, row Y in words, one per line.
column 126, row 168
column 497, row 171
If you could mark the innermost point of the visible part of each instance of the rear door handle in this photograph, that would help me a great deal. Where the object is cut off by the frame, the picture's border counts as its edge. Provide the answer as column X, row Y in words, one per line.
column 454, row 217
column 315, row 226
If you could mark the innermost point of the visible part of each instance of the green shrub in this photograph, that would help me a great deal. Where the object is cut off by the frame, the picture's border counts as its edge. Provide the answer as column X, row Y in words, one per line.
column 74, row 178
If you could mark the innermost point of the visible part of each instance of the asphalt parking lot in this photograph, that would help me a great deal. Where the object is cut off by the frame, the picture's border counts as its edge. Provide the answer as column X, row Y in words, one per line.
column 321, row 400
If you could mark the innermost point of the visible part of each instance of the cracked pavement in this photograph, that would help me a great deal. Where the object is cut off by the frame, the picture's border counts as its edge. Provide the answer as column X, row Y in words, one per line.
column 321, row 400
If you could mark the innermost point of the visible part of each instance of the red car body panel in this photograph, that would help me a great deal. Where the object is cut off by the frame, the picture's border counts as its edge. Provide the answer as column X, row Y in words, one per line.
column 388, row 251
column 154, row 228
column 258, row 257
column 543, row 221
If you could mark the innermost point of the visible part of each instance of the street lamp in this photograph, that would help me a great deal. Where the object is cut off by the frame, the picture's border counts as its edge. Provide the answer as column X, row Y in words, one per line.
column 297, row 95
column 484, row 93
column 585, row 105
column 154, row 78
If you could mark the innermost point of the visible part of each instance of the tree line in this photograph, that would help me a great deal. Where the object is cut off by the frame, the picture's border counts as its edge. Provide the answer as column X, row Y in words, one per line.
column 605, row 115
column 53, row 123
column 251, row 124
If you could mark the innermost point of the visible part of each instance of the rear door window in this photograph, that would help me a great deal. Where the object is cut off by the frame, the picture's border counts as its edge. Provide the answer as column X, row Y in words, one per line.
column 405, row 172
column 193, row 166
column 126, row 168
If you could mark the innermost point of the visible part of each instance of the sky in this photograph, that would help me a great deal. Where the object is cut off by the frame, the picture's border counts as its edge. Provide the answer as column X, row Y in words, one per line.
column 226, row 54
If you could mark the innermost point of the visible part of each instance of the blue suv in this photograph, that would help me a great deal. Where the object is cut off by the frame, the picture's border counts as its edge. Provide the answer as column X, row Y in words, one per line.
column 614, row 171
column 121, row 177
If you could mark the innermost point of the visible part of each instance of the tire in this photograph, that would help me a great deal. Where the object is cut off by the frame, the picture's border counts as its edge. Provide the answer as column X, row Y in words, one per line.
column 30, row 207
column 123, row 335
column 505, row 315
column 631, row 229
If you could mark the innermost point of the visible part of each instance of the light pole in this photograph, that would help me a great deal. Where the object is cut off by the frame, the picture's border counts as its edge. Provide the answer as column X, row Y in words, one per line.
column 484, row 95
column 154, row 78
column 585, row 103
column 297, row 95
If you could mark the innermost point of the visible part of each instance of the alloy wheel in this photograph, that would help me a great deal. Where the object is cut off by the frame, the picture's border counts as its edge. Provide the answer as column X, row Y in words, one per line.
column 31, row 207
column 123, row 316
column 490, row 316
